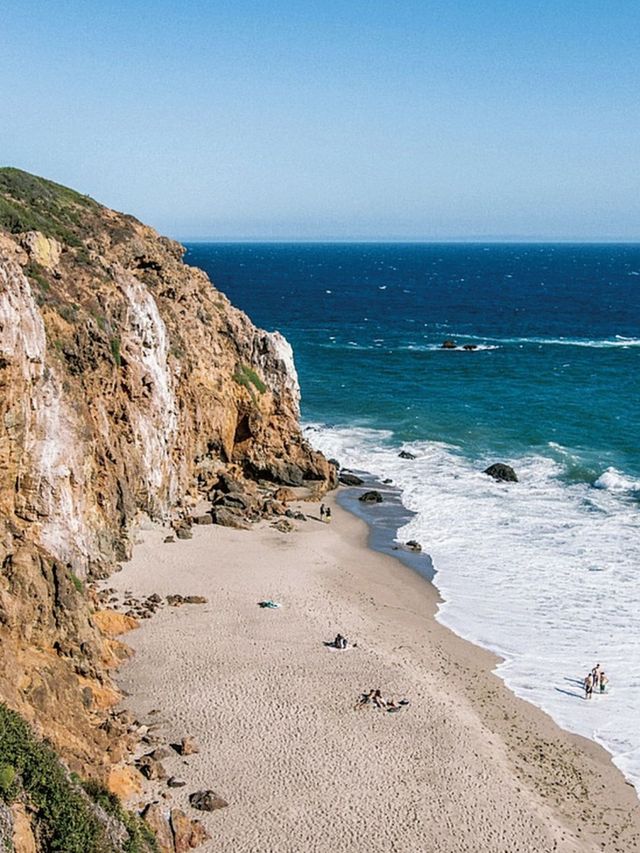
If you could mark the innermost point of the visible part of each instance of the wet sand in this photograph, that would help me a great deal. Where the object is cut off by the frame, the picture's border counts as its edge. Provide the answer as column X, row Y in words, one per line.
column 465, row 767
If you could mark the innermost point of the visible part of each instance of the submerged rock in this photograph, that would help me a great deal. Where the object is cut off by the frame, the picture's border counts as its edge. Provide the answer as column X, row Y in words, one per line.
column 371, row 497
column 501, row 472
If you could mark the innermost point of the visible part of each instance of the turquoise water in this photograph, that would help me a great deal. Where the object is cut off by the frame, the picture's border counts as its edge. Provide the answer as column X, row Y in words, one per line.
column 561, row 325
column 545, row 572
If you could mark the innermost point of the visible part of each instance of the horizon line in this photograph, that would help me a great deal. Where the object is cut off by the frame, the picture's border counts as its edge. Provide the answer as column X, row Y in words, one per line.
column 575, row 241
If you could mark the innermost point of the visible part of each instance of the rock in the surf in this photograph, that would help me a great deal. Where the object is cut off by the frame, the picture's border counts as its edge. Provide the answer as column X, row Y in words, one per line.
column 350, row 479
column 501, row 472
column 372, row 497
column 405, row 454
column 412, row 545
column 449, row 344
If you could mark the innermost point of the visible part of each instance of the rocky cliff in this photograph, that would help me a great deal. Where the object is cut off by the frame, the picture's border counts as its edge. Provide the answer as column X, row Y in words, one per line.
column 128, row 386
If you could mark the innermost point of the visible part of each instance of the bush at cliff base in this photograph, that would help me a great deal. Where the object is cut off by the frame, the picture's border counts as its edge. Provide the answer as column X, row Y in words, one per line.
column 67, row 817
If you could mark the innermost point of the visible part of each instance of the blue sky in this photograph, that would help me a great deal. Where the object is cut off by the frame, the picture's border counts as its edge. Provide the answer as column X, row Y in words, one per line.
column 347, row 120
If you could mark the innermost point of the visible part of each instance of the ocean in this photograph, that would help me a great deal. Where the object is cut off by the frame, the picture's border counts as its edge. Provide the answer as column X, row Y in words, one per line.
column 546, row 571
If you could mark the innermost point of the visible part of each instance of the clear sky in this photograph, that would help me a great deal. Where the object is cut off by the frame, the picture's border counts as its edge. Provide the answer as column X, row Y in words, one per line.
column 333, row 118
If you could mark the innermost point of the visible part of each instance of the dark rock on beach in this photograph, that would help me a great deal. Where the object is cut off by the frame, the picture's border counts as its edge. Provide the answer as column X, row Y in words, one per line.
column 350, row 479
column 226, row 517
column 501, row 472
column 412, row 545
column 372, row 497
column 207, row 801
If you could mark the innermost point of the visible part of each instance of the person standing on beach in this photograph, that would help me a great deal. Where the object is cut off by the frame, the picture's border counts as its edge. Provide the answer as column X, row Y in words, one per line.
column 588, row 686
column 595, row 672
column 603, row 682
column 321, row 512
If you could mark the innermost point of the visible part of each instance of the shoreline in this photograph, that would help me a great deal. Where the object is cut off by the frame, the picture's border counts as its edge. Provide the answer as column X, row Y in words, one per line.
column 382, row 537
column 467, row 763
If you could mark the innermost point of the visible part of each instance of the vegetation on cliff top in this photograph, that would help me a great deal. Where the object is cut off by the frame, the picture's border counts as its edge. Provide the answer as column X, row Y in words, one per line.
column 66, row 816
column 30, row 203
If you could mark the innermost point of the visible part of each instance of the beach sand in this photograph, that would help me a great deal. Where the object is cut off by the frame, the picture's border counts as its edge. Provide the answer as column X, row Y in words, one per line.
column 465, row 767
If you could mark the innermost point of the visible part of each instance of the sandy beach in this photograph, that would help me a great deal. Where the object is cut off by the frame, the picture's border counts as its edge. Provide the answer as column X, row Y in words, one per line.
column 465, row 767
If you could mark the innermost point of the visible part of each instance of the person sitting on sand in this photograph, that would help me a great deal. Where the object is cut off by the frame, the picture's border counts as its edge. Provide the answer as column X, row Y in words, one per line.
column 378, row 701
column 603, row 682
column 339, row 640
column 588, row 686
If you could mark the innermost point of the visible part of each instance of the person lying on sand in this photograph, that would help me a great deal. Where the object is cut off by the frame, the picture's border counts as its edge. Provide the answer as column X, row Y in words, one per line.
column 364, row 699
column 394, row 706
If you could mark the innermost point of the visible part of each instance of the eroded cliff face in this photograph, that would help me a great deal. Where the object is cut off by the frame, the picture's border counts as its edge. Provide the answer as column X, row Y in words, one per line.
column 128, row 384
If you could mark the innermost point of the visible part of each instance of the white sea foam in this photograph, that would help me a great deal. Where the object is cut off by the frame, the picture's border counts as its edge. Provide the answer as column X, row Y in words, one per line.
column 543, row 573
column 604, row 343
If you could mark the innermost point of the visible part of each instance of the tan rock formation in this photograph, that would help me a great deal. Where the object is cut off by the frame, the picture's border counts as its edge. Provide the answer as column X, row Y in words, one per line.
column 128, row 384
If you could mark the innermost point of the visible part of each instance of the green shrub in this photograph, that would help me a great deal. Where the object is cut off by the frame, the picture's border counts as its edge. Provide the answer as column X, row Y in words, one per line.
column 64, row 812
column 75, row 580
column 249, row 379
column 141, row 838
column 115, row 351
column 7, row 782
column 66, row 823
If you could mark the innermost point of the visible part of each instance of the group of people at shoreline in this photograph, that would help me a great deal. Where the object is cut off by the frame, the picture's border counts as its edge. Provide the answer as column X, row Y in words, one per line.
column 596, row 680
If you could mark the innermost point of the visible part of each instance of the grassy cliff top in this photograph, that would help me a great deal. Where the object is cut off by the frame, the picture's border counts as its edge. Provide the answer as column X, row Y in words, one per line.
column 30, row 203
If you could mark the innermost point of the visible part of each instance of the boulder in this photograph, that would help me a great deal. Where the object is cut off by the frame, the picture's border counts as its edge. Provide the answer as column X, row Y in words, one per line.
column 205, row 518
column 228, row 518
column 207, row 801
column 283, row 525
column 348, row 479
column 449, row 344
column 150, row 768
column 184, row 533
column 405, row 454
column 168, row 539
column 285, row 495
column 187, row 834
column 412, row 545
column 174, row 782
column 501, row 472
column 187, row 746
column 371, row 497
column 335, row 463
column 470, row 347
column 234, row 500
column 155, row 819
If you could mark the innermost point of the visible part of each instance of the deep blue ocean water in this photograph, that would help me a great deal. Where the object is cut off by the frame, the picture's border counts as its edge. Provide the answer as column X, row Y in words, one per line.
column 545, row 572
column 367, row 321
